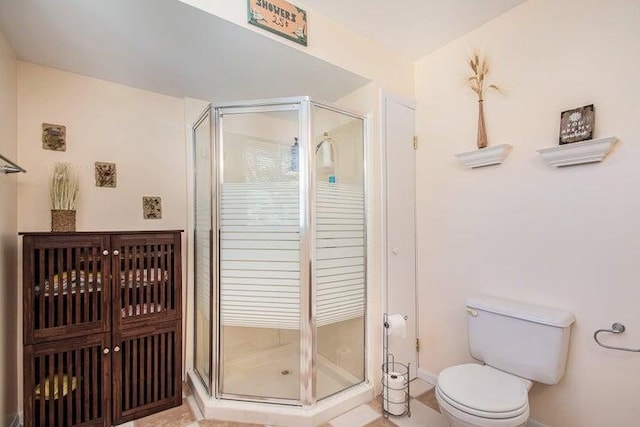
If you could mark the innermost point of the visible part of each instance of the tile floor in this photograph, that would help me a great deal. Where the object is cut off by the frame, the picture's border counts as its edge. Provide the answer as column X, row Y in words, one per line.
column 424, row 413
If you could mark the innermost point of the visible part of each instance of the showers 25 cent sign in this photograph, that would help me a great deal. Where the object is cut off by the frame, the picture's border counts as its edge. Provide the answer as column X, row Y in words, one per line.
column 279, row 17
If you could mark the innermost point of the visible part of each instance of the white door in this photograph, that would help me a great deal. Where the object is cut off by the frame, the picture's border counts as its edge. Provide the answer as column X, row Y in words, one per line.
column 400, row 251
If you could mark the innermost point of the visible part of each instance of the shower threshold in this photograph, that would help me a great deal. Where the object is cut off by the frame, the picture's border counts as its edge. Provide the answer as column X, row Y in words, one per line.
column 261, row 374
column 275, row 414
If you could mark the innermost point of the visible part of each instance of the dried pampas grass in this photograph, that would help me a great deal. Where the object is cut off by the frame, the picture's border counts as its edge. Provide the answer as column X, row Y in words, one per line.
column 64, row 187
column 480, row 67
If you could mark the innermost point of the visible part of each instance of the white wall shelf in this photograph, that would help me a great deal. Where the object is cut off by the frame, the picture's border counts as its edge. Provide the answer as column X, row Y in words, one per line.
column 484, row 156
column 577, row 153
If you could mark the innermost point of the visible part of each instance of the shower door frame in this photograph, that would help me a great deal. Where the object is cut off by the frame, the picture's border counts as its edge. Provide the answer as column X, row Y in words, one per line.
column 213, row 248
column 307, row 230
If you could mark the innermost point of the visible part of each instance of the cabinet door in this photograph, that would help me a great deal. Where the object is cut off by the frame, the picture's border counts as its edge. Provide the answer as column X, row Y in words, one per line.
column 67, row 382
column 147, row 376
column 65, row 286
column 147, row 278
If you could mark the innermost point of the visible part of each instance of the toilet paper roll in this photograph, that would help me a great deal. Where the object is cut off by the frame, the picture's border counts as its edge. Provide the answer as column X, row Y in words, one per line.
column 394, row 398
column 395, row 386
column 397, row 325
column 395, row 408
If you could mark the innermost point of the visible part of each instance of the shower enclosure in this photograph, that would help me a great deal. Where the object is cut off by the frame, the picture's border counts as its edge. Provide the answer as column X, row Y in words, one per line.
column 279, row 251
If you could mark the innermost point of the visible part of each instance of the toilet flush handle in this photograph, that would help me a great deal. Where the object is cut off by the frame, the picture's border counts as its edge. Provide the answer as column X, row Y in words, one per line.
column 471, row 311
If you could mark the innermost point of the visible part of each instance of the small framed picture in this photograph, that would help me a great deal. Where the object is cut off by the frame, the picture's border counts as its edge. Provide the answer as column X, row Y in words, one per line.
column 54, row 137
column 577, row 124
column 152, row 207
column 105, row 174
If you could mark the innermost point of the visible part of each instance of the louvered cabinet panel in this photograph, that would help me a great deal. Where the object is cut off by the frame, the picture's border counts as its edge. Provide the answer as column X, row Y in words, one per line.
column 67, row 385
column 147, row 373
column 146, row 278
column 66, row 286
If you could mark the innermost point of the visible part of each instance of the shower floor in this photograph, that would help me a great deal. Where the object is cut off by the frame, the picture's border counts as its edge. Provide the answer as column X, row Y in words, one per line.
column 274, row 373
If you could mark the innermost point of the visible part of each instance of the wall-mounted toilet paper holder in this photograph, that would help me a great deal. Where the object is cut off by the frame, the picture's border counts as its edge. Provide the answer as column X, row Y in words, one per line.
column 386, row 324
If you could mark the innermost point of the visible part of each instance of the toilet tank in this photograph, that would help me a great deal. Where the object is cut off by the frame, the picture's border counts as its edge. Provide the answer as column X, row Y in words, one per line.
column 526, row 340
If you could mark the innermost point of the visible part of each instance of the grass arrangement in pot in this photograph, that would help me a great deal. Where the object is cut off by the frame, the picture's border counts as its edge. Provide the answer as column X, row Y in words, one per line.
column 63, row 192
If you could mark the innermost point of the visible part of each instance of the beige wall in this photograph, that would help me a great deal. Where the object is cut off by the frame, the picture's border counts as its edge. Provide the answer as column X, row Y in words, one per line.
column 142, row 132
column 565, row 238
column 8, row 235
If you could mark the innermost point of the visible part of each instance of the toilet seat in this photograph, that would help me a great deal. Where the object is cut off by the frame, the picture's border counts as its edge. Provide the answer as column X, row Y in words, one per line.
column 483, row 391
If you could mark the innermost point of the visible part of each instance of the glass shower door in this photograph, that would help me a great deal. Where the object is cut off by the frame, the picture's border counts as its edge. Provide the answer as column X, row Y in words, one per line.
column 340, row 272
column 260, row 254
column 203, row 250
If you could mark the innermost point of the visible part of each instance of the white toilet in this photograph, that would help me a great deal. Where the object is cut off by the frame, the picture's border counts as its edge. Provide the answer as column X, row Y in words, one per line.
column 518, row 343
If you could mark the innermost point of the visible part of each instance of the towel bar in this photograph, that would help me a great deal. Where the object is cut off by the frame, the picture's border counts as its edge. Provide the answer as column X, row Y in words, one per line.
column 11, row 167
column 616, row 328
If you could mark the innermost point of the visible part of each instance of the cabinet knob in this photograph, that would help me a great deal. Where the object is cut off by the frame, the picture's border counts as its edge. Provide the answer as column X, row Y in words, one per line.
column 116, row 349
column 105, row 351
column 105, row 252
column 116, row 252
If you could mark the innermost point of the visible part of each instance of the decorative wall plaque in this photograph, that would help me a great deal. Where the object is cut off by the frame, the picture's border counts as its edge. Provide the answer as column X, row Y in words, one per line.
column 105, row 174
column 152, row 207
column 577, row 124
column 279, row 17
column 54, row 137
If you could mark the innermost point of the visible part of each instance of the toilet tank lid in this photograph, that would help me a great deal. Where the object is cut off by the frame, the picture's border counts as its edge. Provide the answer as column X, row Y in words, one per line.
column 521, row 310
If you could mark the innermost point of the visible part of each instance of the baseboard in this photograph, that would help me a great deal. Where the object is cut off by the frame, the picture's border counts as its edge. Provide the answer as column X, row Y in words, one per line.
column 427, row 376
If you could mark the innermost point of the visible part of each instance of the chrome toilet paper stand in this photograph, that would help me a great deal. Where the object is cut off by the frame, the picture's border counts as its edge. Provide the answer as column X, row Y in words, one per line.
column 389, row 365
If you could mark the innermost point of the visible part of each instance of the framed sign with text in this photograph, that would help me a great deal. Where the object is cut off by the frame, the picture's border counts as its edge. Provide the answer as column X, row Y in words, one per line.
column 577, row 124
column 279, row 17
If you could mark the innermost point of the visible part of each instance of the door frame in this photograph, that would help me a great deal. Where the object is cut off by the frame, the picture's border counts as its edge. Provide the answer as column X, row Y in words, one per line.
column 384, row 97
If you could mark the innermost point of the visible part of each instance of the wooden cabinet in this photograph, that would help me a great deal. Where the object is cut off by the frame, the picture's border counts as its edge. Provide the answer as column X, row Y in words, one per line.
column 102, row 326
column 67, row 382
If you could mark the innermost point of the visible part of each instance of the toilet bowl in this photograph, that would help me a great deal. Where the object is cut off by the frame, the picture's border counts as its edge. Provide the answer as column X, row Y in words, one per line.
column 482, row 396
column 517, row 343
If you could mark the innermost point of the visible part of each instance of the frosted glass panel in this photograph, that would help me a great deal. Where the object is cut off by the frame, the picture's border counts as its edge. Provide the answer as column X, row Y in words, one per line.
column 202, row 247
column 260, row 255
column 340, row 250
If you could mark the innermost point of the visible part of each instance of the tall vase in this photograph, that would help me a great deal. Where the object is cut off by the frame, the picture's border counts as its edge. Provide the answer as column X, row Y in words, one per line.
column 482, row 132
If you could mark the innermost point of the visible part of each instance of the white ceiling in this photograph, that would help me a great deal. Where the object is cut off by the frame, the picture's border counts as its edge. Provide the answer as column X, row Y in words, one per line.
column 167, row 47
column 415, row 27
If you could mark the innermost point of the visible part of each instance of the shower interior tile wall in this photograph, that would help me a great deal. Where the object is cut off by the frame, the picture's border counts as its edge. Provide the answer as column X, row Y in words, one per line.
column 342, row 342
column 239, row 341
column 338, row 342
